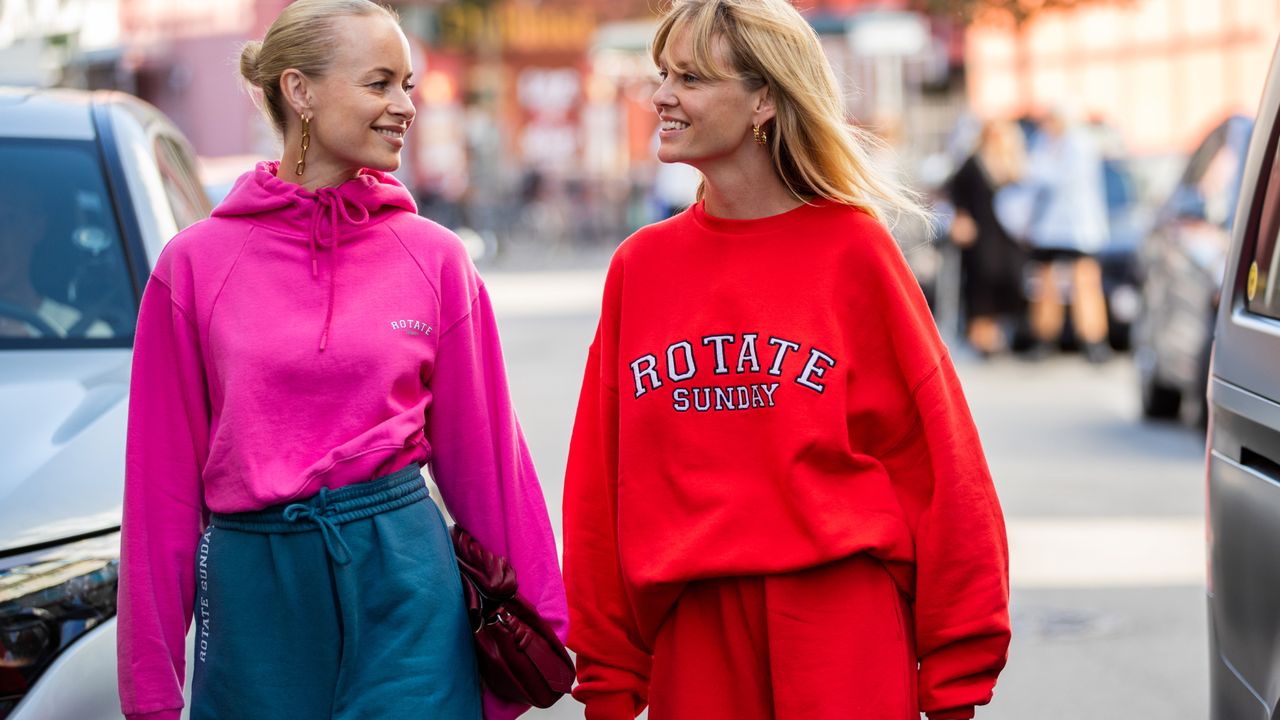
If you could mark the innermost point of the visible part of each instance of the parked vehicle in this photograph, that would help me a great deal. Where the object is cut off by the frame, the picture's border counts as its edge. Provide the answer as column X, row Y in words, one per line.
column 220, row 173
column 1127, row 220
column 1181, row 266
column 94, row 185
column 1243, row 468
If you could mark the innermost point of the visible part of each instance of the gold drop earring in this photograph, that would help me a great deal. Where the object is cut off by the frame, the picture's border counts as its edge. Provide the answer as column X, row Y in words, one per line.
column 301, row 167
column 762, row 136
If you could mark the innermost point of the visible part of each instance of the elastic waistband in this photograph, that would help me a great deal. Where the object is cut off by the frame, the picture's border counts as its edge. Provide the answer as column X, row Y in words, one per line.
column 352, row 502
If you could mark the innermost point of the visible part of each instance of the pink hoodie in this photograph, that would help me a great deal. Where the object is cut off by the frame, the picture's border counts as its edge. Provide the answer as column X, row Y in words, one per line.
column 299, row 340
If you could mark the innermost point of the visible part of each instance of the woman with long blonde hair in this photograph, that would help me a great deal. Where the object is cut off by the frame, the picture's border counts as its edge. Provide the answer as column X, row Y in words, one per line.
column 776, row 503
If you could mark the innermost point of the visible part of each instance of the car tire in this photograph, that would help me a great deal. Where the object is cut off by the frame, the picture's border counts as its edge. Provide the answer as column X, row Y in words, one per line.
column 1159, row 401
column 1196, row 412
column 1119, row 333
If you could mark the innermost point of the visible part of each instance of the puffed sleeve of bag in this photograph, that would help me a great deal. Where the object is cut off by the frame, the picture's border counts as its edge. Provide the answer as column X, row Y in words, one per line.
column 613, row 665
column 167, row 443
column 480, row 460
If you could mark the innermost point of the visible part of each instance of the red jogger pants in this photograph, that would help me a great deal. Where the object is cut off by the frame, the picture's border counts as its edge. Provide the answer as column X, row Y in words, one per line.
column 831, row 643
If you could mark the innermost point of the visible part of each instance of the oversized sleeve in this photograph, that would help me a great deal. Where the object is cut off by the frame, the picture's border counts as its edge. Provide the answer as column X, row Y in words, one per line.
column 962, row 559
column 481, row 463
column 961, row 598
column 613, row 664
column 167, row 443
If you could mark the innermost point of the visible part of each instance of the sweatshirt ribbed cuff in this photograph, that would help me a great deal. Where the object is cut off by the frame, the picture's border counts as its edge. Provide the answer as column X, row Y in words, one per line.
column 957, row 713
column 617, row 706
column 157, row 715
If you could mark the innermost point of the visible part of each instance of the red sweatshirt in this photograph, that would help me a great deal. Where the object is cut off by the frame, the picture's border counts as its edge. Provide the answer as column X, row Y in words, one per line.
column 764, row 396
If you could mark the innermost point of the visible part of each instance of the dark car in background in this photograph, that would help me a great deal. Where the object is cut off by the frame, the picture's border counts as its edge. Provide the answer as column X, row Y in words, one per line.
column 1180, row 266
column 94, row 185
column 1127, row 222
column 1243, row 468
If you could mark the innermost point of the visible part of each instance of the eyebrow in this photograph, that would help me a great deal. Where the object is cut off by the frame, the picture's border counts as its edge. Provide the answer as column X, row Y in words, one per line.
column 672, row 64
column 388, row 71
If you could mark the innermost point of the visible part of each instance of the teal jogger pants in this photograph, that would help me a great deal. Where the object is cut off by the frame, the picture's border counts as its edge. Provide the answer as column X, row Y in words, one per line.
column 345, row 605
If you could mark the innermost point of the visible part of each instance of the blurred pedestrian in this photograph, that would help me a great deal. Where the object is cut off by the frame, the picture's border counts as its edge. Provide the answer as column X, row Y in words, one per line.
column 776, row 502
column 991, row 259
column 299, row 356
column 1067, row 228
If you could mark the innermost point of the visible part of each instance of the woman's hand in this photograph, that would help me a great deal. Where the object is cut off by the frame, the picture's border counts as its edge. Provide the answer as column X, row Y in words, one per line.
column 964, row 231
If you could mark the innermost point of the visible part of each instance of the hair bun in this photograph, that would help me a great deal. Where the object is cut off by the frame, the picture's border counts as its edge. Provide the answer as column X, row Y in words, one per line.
column 249, row 62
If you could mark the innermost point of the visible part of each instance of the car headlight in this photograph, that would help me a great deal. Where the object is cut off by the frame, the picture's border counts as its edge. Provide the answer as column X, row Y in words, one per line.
column 47, row 600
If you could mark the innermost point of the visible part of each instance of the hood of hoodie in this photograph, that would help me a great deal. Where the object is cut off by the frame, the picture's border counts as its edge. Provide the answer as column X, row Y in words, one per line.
column 322, row 218
column 291, row 208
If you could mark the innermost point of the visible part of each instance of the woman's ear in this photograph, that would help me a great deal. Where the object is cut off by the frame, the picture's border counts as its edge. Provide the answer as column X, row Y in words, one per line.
column 296, row 90
column 765, row 110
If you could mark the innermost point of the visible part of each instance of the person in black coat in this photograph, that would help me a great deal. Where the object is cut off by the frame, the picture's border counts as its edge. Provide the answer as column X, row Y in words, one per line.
column 991, row 259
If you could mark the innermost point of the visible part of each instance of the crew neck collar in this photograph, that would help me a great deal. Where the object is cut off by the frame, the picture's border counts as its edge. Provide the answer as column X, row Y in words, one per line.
column 754, row 226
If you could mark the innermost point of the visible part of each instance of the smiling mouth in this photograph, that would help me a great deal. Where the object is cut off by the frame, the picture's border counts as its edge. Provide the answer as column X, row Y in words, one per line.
column 674, row 125
column 397, row 134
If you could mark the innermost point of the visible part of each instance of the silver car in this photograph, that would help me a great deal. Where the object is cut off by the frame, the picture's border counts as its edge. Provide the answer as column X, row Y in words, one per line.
column 91, row 187
column 1244, row 443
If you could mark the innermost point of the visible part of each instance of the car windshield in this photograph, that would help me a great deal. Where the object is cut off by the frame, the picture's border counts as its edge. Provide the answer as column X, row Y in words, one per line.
column 64, row 281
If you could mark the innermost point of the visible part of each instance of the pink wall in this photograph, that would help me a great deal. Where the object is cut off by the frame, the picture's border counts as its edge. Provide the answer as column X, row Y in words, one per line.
column 187, row 54
column 197, row 83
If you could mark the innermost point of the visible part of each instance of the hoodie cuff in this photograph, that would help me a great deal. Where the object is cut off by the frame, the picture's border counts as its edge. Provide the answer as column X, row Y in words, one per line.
column 157, row 715
column 614, row 706
column 958, row 713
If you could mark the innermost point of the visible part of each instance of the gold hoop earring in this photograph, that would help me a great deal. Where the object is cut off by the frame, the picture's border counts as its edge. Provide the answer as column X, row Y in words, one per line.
column 301, row 167
column 762, row 136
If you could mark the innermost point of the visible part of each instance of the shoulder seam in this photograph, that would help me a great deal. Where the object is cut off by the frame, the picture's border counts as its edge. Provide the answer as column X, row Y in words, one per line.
column 230, row 270
column 937, row 365
column 174, row 302
column 470, row 311
column 916, row 421
column 418, row 263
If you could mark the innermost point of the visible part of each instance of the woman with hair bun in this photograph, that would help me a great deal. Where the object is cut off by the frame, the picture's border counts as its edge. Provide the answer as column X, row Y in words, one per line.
column 300, row 356
column 776, row 502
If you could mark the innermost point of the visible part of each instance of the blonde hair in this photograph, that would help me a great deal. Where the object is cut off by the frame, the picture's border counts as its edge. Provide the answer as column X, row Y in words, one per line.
column 815, row 150
column 301, row 38
column 1003, row 151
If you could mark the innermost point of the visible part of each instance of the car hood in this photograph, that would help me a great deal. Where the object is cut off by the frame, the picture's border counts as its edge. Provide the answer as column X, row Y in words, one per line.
column 62, row 433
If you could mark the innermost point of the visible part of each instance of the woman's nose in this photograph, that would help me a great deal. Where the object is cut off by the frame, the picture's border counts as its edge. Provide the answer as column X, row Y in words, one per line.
column 662, row 96
column 403, row 106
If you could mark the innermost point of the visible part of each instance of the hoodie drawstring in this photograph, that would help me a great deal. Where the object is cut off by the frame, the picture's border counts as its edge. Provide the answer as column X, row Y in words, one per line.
column 337, row 205
column 329, row 533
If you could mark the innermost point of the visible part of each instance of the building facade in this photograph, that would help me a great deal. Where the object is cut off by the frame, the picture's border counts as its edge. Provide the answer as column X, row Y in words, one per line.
column 1161, row 71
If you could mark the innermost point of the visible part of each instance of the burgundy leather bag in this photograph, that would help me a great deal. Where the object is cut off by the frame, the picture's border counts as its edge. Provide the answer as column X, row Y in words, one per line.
column 520, row 657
